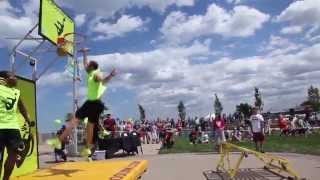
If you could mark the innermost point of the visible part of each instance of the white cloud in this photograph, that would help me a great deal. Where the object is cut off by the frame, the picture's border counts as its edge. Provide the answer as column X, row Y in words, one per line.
column 122, row 26
column 242, row 21
column 54, row 79
column 291, row 30
column 302, row 13
column 315, row 39
column 107, row 8
column 14, row 26
column 80, row 19
column 279, row 45
column 162, row 77
column 234, row 1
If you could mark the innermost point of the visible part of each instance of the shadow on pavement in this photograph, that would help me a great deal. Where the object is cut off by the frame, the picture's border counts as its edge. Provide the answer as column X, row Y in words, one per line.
column 243, row 174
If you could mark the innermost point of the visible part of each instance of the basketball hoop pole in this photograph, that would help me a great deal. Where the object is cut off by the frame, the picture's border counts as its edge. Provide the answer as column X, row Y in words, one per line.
column 74, row 99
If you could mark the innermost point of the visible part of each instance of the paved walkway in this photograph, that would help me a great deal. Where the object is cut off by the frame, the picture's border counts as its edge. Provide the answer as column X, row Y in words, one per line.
column 192, row 166
column 151, row 149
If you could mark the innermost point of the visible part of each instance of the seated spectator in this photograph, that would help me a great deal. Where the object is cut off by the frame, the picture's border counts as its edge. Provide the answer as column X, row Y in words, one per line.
column 204, row 138
column 60, row 153
column 129, row 126
column 237, row 135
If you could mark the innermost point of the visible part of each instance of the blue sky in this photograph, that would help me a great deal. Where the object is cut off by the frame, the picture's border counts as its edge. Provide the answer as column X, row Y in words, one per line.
column 171, row 50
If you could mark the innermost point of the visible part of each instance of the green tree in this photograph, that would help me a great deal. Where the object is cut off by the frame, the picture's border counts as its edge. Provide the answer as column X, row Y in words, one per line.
column 313, row 99
column 245, row 109
column 258, row 99
column 182, row 111
column 218, row 108
column 142, row 113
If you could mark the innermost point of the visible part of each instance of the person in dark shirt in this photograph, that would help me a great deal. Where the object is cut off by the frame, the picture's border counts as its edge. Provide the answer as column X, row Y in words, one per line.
column 110, row 124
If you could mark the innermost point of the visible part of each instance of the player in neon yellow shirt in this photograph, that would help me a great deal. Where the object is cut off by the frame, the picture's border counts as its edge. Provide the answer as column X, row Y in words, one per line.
column 93, row 107
column 10, row 137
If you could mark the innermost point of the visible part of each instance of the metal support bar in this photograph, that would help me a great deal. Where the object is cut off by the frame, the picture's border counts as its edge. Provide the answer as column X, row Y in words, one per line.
column 36, row 48
column 26, row 36
column 236, row 168
column 27, row 56
column 12, row 61
column 34, row 71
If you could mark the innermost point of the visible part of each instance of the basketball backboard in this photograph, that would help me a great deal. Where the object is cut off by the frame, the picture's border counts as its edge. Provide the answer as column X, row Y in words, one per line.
column 54, row 23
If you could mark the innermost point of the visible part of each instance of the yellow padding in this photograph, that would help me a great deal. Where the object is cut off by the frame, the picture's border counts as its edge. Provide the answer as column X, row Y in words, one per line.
column 97, row 170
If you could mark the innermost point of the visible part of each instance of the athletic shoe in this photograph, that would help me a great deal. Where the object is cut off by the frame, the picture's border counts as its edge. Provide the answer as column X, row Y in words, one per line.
column 54, row 143
column 86, row 152
column 89, row 159
column 103, row 134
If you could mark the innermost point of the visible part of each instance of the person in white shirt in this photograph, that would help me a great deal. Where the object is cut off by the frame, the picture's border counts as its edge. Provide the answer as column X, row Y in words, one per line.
column 257, row 129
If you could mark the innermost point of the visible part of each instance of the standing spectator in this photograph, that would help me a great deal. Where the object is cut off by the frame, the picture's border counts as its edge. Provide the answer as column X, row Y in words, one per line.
column 256, row 124
column 179, row 127
column 307, row 112
column 197, row 123
column 148, row 132
column 155, row 135
column 202, row 124
column 193, row 136
column 268, row 125
column 172, row 123
column 283, row 124
column 142, row 132
column 219, row 132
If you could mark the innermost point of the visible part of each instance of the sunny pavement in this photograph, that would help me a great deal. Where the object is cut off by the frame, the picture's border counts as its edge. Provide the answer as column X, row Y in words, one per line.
column 192, row 166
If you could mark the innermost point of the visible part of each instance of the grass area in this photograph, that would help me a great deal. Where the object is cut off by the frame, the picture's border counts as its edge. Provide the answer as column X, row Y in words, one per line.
column 274, row 143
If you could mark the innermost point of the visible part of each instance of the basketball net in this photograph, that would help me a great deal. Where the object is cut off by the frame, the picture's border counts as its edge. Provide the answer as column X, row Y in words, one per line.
column 62, row 49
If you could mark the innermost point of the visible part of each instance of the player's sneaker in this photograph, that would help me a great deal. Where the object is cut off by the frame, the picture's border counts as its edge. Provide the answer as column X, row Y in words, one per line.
column 89, row 159
column 86, row 152
column 103, row 134
column 54, row 142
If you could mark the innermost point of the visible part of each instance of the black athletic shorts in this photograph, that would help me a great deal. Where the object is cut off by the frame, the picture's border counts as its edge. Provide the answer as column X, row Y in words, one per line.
column 10, row 138
column 90, row 109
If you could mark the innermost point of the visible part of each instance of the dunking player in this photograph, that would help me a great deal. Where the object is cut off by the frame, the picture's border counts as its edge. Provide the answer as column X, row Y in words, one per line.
column 93, row 107
column 10, row 137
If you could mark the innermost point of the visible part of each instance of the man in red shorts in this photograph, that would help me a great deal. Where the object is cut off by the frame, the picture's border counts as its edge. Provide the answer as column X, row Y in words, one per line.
column 257, row 129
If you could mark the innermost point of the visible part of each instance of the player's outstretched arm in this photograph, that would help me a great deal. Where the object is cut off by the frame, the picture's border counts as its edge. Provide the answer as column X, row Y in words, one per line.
column 106, row 79
column 85, row 57
column 109, row 77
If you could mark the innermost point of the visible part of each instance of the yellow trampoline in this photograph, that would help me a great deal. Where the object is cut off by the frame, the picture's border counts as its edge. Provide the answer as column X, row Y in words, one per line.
column 97, row 170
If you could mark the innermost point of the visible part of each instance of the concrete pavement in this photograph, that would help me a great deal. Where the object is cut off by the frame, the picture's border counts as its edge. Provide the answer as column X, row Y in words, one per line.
column 192, row 166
